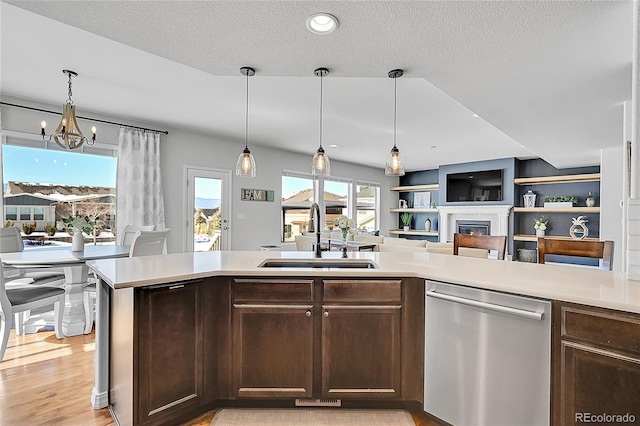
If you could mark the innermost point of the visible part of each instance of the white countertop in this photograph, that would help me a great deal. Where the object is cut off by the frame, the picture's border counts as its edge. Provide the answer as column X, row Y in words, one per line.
column 579, row 285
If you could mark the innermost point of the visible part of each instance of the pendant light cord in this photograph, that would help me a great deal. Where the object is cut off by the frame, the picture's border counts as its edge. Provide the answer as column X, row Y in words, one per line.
column 246, row 117
column 321, row 77
column 395, row 108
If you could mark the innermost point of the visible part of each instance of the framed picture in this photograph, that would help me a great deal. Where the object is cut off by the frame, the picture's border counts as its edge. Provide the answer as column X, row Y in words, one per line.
column 421, row 200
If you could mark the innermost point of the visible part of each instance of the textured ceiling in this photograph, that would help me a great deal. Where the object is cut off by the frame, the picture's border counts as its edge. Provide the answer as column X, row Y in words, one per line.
column 549, row 76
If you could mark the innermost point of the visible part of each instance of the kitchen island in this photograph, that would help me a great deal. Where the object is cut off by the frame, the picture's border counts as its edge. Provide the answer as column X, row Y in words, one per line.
column 192, row 331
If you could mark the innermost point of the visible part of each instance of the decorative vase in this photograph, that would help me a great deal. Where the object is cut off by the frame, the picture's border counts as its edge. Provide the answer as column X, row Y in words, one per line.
column 344, row 235
column 77, row 241
column 539, row 232
column 427, row 225
column 591, row 201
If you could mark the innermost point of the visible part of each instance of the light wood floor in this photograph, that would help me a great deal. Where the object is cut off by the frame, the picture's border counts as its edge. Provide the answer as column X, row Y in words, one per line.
column 46, row 381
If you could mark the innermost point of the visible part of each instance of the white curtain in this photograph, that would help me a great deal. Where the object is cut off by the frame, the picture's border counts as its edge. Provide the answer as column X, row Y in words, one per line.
column 139, row 185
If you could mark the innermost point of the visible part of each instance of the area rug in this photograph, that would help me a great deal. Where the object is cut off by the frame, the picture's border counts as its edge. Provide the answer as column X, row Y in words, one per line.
column 311, row 417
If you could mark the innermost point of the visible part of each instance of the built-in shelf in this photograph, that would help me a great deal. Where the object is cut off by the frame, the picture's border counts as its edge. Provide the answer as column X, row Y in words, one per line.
column 541, row 180
column 408, row 210
column 412, row 188
column 414, row 232
column 533, row 238
column 556, row 209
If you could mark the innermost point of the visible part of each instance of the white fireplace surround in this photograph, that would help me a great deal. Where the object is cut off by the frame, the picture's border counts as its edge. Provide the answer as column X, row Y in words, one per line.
column 498, row 215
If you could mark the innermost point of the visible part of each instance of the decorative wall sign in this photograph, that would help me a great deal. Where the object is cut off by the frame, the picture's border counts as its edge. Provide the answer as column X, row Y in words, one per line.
column 248, row 194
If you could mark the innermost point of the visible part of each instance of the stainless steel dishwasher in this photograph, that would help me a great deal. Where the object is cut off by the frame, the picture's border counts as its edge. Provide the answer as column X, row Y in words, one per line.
column 487, row 357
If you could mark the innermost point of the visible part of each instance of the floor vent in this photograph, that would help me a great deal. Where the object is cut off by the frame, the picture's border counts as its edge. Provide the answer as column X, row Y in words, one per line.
column 311, row 402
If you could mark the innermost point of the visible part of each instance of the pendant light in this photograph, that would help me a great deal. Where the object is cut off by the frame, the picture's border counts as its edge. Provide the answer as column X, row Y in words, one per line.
column 246, row 165
column 321, row 165
column 68, row 135
column 395, row 163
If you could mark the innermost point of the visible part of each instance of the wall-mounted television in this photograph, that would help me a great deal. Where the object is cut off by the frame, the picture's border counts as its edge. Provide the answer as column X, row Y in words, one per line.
column 480, row 186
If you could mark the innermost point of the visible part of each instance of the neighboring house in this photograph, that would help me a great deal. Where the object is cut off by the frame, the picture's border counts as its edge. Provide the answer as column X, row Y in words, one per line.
column 26, row 202
column 295, row 212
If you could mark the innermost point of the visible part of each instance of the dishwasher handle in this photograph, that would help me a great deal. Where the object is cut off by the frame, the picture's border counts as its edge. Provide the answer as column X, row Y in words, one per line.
column 537, row 315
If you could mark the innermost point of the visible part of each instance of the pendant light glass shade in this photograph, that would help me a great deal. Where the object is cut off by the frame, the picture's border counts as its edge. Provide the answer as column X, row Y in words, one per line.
column 320, row 164
column 395, row 163
column 246, row 165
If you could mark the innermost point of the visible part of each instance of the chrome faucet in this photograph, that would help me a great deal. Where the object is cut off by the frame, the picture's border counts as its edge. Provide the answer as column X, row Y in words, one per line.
column 315, row 208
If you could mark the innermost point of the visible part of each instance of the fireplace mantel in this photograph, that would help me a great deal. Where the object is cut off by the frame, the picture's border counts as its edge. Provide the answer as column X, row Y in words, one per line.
column 498, row 215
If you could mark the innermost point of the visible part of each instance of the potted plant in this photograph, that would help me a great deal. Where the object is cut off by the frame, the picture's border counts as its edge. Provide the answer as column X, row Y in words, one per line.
column 28, row 228
column 50, row 230
column 406, row 220
column 540, row 226
column 560, row 201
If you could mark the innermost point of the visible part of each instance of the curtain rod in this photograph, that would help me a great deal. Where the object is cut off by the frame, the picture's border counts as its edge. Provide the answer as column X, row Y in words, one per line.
column 86, row 118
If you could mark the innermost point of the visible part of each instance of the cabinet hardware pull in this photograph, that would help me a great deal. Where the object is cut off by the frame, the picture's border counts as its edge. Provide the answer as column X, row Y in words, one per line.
column 176, row 286
column 308, row 313
column 326, row 314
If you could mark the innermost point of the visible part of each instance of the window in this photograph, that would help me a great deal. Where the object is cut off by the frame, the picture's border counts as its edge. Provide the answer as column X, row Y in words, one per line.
column 11, row 213
column 297, row 197
column 336, row 199
column 25, row 213
column 64, row 182
column 38, row 213
column 367, row 206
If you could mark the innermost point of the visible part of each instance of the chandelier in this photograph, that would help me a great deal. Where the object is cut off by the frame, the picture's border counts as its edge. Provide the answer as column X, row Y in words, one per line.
column 68, row 134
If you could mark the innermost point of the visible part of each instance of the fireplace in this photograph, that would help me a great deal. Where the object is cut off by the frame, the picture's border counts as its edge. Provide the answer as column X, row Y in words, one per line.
column 473, row 227
column 497, row 215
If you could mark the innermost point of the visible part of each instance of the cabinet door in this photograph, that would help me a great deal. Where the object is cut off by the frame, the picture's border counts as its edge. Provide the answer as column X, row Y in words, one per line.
column 169, row 364
column 272, row 350
column 597, row 382
column 361, row 352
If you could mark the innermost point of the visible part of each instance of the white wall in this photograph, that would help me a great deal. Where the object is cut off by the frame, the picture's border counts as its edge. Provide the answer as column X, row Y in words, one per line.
column 181, row 147
column 611, row 195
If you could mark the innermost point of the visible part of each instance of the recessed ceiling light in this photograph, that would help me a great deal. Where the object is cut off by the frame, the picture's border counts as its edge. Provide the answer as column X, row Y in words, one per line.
column 475, row 116
column 432, row 146
column 333, row 145
column 322, row 23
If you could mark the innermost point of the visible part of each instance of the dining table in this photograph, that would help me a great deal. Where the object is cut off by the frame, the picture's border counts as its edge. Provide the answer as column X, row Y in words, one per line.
column 73, row 264
column 333, row 244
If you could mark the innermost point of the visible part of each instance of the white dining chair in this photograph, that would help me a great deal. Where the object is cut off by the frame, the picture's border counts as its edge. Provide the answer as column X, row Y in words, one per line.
column 10, row 242
column 143, row 243
column 130, row 231
column 15, row 300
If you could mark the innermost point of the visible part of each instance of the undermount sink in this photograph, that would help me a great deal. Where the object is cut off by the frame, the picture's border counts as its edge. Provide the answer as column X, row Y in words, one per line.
column 318, row 263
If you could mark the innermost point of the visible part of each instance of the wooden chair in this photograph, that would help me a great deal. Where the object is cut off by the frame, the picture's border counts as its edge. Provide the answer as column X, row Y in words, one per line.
column 143, row 243
column 23, row 298
column 581, row 248
column 487, row 242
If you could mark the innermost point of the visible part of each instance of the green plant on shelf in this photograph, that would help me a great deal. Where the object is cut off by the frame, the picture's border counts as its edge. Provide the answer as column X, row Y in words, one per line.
column 560, row 199
column 406, row 219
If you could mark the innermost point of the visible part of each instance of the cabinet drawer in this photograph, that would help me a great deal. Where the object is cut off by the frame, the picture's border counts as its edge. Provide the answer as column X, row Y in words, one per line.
column 276, row 291
column 385, row 291
column 613, row 330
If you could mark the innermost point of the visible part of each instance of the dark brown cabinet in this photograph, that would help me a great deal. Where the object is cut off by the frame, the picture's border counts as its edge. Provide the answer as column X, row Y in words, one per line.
column 272, row 338
column 170, row 351
column 317, row 338
column 596, row 365
column 361, row 339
